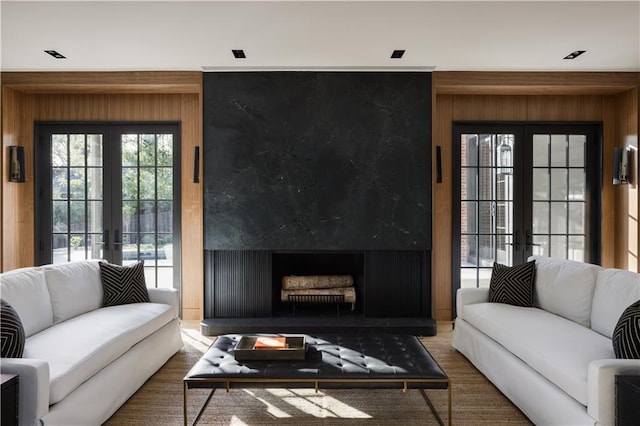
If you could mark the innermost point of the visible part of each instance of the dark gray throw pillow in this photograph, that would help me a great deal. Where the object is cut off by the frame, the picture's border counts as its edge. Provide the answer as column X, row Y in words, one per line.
column 626, row 334
column 512, row 284
column 12, row 335
column 123, row 284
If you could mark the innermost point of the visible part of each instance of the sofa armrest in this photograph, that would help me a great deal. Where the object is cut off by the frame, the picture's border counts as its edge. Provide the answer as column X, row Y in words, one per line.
column 33, row 385
column 469, row 296
column 168, row 296
column 601, row 400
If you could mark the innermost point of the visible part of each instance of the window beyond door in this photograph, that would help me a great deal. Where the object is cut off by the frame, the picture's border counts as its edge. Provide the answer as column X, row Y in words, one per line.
column 524, row 190
column 110, row 192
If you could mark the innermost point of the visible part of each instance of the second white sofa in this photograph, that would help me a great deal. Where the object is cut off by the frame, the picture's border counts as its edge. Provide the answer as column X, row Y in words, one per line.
column 81, row 360
column 555, row 361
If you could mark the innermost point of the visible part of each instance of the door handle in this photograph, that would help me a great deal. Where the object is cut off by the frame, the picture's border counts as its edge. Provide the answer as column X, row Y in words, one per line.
column 529, row 241
column 516, row 241
column 116, row 239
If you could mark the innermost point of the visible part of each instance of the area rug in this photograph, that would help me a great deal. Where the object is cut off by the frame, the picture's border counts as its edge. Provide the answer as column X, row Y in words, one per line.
column 475, row 400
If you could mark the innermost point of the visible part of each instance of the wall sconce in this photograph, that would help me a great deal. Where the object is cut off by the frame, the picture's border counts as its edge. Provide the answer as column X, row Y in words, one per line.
column 16, row 164
column 196, row 164
column 621, row 166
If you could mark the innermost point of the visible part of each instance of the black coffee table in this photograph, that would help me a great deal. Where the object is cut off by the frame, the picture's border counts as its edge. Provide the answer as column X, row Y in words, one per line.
column 331, row 362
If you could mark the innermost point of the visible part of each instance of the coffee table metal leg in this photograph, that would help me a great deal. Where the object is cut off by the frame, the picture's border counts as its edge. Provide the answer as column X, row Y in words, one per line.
column 449, row 403
column 433, row 409
column 202, row 408
column 184, row 403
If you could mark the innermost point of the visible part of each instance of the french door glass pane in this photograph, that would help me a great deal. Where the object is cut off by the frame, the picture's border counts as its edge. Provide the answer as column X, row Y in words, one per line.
column 540, row 145
column 559, row 191
column 147, row 205
column 486, row 211
column 76, row 188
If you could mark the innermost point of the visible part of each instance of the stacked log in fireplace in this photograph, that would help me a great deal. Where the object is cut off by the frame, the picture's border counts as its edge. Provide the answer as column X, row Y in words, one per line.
column 318, row 289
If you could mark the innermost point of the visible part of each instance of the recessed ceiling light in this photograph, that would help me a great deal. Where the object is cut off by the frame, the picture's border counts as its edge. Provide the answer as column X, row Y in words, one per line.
column 238, row 53
column 55, row 54
column 575, row 54
column 397, row 54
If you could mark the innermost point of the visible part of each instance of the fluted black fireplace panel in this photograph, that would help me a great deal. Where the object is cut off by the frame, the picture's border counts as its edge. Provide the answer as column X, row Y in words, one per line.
column 317, row 161
column 241, row 283
column 397, row 284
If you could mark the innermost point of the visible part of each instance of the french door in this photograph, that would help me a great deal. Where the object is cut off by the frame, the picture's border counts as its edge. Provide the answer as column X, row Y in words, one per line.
column 110, row 191
column 522, row 190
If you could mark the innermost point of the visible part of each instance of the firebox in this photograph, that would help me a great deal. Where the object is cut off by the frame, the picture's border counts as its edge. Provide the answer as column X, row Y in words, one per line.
column 343, row 269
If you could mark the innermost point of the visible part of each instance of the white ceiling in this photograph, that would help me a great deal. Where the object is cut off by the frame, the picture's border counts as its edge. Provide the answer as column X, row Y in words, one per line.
column 290, row 35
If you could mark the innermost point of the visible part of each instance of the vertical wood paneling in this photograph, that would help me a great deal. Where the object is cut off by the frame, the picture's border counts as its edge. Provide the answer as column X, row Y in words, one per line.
column 17, row 198
column 192, row 211
column 489, row 108
column 610, row 225
column 564, row 108
column 441, row 248
column 626, row 200
column 140, row 107
column 71, row 107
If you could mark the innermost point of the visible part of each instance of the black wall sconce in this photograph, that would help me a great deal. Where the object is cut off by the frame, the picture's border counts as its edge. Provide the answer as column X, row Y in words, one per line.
column 16, row 164
column 196, row 165
column 621, row 166
column 438, row 164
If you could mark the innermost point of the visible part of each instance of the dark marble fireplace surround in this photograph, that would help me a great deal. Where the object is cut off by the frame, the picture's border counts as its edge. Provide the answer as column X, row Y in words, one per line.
column 317, row 173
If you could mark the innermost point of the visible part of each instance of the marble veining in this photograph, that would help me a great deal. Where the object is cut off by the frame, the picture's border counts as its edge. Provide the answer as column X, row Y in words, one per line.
column 317, row 161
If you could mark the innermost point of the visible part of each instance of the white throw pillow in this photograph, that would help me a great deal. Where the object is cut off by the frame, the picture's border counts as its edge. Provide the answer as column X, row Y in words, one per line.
column 565, row 288
column 26, row 290
column 616, row 289
column 75, row 288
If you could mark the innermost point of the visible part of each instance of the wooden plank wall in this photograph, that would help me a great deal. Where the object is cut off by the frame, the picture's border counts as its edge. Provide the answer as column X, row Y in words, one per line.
column 607, row 97
column 626, row 196
column 30, row 97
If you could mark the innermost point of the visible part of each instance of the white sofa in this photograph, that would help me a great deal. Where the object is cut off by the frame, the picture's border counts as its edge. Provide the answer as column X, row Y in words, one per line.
column 555, row 361
column 82, row 361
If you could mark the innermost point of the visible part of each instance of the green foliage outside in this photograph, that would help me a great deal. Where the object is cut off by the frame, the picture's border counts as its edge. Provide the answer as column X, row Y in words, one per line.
column 77, row 181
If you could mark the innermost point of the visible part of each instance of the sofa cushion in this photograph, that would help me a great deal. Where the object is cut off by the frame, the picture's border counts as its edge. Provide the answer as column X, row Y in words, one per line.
column 558, row 349
column 123, row 284
column 75, row 288
column 565, row 288
column 11, row 332
column 78, row 348
column 615, row 290
column 626, row 334
column 512, row 284
column 26, row 290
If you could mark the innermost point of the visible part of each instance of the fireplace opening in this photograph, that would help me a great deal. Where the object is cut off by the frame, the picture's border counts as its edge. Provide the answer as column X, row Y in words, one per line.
column 318, row 283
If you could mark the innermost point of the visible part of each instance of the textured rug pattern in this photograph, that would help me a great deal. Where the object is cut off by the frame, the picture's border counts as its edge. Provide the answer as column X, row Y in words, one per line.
column 475, row 400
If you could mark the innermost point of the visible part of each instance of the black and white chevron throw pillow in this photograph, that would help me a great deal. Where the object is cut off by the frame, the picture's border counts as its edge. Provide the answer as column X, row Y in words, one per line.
column 512, row 284
column 123, row 284
column 626, row 334
column 11, row 332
